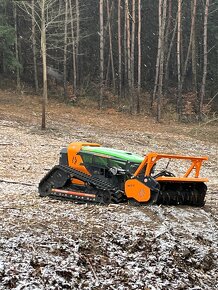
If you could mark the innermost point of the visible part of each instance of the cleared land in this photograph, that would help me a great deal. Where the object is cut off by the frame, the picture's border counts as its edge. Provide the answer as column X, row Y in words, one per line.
column 48, row 244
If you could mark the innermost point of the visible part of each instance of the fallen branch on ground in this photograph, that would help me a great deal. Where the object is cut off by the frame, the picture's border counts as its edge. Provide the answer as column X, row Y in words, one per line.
column 17, row 182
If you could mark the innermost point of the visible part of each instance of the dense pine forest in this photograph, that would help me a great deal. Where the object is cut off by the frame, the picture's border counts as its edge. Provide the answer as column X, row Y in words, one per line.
column 142, row 56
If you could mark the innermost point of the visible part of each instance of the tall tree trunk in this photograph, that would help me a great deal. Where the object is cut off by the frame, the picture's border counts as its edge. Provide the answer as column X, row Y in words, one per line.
column 169, row 23
column 110, row 41
column 125, row 78
column 139, row 56
column 133, row 43
column 16, row 47
column 162, row 54
column 203, row 84
column 194, row 64
column 44, row 64
column 65, row 47
column 158, row 53
column 169, row 52
column 77, row 40
column 110, row 62
column 190, row 42
column 132, row 59
column 74, row 49
column 128, row 48
column 101, row 3
column 179, row 97
column 167, row 40
column 36, row 82
column 119, row 48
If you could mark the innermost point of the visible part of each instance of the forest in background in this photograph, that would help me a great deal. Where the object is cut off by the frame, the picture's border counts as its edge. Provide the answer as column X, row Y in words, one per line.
column 142, row 55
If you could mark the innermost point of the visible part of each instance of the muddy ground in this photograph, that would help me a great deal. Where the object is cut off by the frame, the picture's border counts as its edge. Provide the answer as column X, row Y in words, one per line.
column 50, row 244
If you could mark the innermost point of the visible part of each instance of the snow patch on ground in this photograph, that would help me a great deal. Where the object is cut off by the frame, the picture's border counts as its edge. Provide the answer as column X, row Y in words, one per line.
column 51, row 245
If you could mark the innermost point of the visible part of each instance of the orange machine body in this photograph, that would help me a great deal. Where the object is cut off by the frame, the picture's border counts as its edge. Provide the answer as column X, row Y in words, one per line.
column 75, row 161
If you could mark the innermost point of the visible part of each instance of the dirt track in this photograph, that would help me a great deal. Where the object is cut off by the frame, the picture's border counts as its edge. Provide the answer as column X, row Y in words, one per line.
column 47, row 244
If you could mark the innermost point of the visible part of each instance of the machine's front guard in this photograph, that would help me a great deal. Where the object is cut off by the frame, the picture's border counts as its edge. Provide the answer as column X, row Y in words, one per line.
column 152, row 158
column 146, row 190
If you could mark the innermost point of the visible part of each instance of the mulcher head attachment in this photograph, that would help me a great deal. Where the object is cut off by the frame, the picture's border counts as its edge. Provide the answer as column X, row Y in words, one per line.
column 165, row 187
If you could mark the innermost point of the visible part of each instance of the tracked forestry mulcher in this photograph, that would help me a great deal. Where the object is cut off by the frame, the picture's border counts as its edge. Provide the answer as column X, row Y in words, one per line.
column 88, row 172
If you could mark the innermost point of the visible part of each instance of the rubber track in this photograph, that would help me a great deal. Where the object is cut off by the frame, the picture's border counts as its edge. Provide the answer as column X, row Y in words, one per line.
column 95, row 182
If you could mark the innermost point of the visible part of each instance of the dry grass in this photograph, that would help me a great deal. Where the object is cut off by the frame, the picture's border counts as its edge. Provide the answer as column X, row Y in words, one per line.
column 27, row 109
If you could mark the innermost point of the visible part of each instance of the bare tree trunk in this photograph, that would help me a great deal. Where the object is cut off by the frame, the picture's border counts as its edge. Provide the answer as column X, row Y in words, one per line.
column 133, row 44
column 167, row 41
column 203, row 84
column 110, row 42
column 190, row 43
column 160, row 85
column 65, row 47
column 139, row 56
column 101, row 3
column 77, row 41
column 158, row 54
column 169, row 52
column 34, row 48
column 108, row 69
column 16, row 47
column 125, row 52
column 128, row 44
column 169, row 23
column 119, row 48
column 108, row 26
column 44, row 64
column 74, row 50
column 179, row 97
column 132, row 60
column 194, row 64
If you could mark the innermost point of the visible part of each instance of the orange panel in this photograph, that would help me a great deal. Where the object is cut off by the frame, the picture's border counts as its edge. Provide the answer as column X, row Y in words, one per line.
column 75, row 161
column 137, row 190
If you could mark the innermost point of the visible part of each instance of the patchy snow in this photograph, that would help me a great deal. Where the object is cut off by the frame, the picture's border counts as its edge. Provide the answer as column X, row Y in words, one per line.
column 50, row 245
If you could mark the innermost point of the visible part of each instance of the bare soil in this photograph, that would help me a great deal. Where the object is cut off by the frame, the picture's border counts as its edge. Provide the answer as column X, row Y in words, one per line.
column 49, row 244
